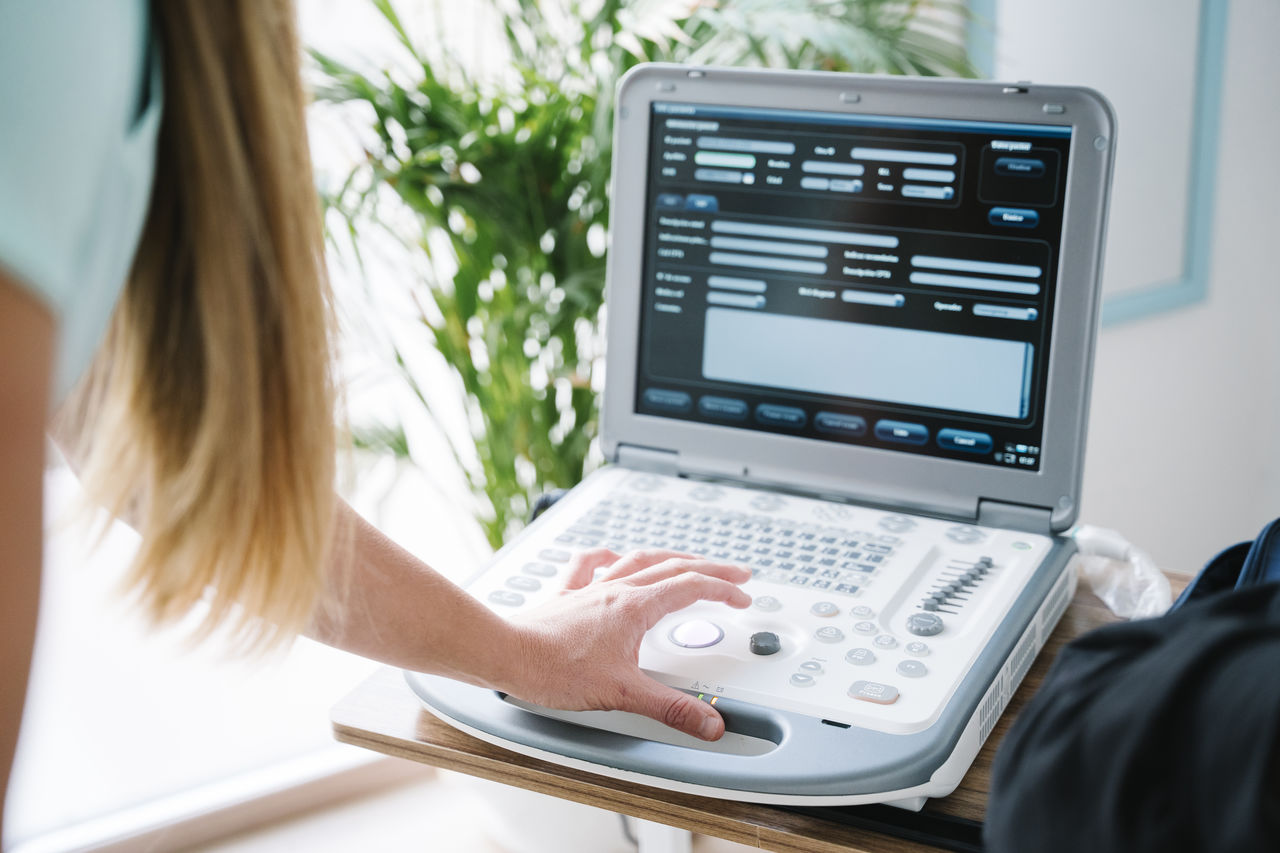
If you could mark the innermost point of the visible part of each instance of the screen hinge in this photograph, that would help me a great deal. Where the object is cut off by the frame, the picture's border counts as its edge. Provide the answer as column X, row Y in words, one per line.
column 1032, row 519
column 648, row 459
column 672, row 462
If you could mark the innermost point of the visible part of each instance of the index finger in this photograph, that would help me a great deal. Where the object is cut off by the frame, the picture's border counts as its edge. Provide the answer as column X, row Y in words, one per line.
column 638, row 561
column 675, row 567
column 585, row 564
column 679, row 592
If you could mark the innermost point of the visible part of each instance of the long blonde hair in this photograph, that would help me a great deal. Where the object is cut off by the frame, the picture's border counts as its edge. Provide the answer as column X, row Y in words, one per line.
column 208, row 417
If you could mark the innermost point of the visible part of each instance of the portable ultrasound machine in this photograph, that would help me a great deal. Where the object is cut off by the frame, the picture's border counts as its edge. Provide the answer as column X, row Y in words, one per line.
column 850, row 331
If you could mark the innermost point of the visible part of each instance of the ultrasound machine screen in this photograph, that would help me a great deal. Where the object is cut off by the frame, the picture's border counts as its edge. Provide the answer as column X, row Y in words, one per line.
column 871, row 280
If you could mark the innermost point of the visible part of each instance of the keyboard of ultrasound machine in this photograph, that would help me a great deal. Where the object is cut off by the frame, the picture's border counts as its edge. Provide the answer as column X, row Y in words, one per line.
column 836, row 560
column 861, row 616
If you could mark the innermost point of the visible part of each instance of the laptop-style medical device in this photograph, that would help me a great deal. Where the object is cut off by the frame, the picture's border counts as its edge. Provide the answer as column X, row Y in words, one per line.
column 850, row 330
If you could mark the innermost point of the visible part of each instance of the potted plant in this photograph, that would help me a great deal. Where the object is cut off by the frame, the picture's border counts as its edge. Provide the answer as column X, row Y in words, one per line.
column 506, row 176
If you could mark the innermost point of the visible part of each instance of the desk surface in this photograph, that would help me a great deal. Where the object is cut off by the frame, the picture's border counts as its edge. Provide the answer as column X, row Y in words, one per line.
column 382, row 714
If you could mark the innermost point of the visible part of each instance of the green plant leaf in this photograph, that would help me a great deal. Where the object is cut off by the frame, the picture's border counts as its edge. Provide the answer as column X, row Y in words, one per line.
column 507, row 182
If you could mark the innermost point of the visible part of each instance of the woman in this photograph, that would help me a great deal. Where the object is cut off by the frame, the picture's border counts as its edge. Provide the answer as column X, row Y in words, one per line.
column 160, row 250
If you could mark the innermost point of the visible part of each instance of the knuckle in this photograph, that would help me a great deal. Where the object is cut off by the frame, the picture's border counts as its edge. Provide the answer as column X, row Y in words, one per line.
column 689, row 580
column 673, row 586
column 590, row 557
column 676, row 712
column 649, row 556
column 626, row 602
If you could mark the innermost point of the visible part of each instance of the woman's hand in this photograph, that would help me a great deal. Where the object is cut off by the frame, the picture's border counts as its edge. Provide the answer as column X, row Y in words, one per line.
column 580, row 651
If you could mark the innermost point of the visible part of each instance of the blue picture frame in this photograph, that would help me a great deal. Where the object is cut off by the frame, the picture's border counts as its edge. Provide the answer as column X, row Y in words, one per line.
column 1192, row 284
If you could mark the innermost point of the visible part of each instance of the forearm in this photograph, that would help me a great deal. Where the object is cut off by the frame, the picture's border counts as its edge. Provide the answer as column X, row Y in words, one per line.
column 577, row 651
column 26, row 344
column 389, row 606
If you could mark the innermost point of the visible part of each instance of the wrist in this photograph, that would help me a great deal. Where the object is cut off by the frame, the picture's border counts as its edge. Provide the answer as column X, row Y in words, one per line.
column 506, row 662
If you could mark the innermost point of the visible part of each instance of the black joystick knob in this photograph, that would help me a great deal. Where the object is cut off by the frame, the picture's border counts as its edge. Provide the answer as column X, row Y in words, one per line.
column 765, row 643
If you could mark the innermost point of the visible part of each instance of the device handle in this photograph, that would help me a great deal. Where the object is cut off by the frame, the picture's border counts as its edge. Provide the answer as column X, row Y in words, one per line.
column 809, row 755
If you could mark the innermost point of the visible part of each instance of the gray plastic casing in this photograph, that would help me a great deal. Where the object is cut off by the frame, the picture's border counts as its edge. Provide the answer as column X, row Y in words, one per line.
column 911, row 482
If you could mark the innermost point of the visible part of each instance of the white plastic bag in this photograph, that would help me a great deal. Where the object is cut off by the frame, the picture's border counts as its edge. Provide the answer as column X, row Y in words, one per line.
column 1121, row 574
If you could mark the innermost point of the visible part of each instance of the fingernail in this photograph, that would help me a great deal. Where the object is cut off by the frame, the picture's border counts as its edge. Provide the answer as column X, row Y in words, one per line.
column 709, row 728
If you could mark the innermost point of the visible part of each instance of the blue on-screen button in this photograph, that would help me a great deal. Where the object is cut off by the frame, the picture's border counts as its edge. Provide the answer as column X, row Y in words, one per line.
column 672, row 401
column 787, row 416
column 724, row 408
column 970, row 442
column 900, row 432
column 840, row 424
column 1013, row 217
column 707, row 203
column 1019, row 167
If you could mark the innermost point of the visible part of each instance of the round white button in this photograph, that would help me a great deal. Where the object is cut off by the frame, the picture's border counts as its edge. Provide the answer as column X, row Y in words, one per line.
column 767, row 603
column 897, row 523
column 860, row 657
column 829, row 634
column 697, row 634
column 767, row 503
column 912, row 669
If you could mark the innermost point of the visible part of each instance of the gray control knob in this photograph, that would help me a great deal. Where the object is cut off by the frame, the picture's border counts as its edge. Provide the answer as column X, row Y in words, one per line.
column 706, row 494
column 644, row 483
column 767, row 503
column 765, row 643
column 924, row 624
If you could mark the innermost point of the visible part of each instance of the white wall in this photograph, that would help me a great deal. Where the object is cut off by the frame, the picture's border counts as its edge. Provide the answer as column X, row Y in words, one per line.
column 1184, row 441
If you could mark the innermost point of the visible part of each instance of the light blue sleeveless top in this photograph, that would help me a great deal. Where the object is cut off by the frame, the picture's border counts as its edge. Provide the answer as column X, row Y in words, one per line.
column 79, row 115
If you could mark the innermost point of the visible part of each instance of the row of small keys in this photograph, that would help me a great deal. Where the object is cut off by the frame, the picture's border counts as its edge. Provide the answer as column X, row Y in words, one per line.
column 800, row 554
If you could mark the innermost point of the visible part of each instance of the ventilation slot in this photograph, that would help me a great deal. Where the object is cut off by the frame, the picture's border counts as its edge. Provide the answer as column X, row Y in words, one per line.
column 1020, row 660
column 992, row 707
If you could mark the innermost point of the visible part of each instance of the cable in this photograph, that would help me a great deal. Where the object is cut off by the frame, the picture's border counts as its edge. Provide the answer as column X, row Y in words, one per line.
column 628, row 833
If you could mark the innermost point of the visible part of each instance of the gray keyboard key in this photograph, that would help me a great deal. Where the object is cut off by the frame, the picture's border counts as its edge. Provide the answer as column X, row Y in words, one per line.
column 524, row 583
column 860, row 657
column 829, row 634
column 912, row 669
column 874, row 691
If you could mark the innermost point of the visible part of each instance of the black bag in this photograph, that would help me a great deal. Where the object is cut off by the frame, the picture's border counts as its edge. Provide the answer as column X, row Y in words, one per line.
column 1156, row 735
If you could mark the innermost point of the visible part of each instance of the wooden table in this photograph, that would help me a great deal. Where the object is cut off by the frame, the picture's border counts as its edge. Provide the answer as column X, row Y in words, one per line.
column 382, row 714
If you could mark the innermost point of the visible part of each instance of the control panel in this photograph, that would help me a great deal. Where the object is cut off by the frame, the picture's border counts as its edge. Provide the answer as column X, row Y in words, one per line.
column 859, row 616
